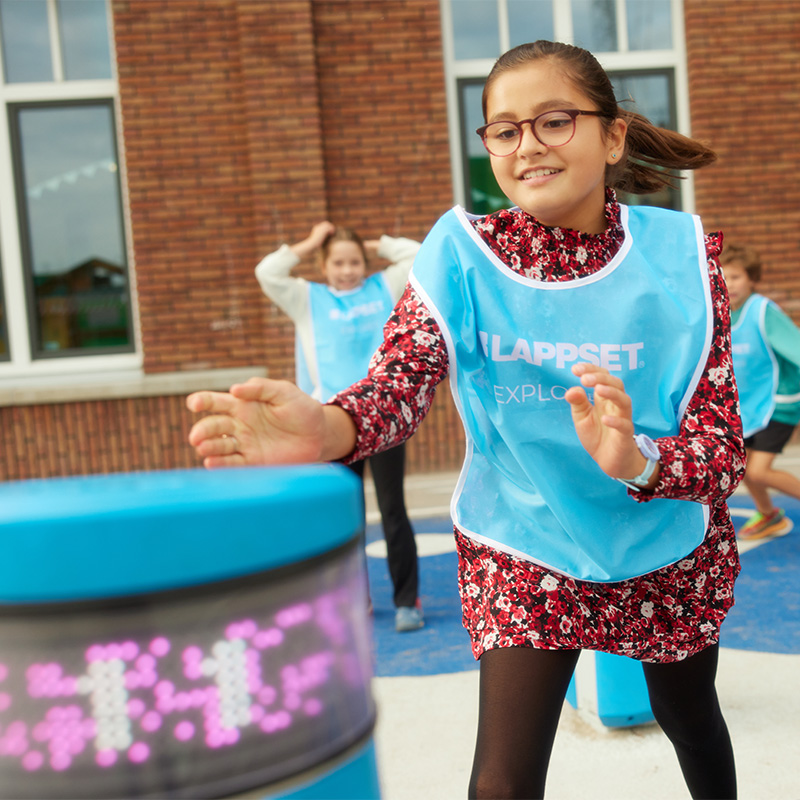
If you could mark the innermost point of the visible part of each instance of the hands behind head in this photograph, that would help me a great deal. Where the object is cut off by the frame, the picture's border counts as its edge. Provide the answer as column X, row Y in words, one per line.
column 259, row 422
column 605, row 427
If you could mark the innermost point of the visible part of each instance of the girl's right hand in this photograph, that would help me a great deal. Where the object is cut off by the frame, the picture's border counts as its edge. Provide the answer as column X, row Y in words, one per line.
column 258, row 422
column 314, row 240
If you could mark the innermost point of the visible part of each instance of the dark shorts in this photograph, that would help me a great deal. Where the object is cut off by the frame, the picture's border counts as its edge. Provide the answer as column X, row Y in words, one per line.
column 772, row 439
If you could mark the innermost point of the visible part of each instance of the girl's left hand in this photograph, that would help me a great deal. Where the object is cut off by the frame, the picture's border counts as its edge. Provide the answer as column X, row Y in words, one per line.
column 605, row 428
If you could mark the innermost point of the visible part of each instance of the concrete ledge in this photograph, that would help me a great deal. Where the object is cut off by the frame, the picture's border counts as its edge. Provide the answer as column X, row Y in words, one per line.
column 122, row 385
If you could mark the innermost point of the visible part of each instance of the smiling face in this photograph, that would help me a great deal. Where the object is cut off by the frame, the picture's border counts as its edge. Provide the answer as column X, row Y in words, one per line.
column 559, row 186
column 344, row 266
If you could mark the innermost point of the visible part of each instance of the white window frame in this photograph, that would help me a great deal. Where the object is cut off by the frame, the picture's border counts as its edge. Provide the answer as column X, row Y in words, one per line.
column 23, row 368
column 622, row 60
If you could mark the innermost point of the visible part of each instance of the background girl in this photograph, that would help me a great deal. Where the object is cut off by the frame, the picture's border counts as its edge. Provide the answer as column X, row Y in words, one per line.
column 568, row 324
column 338, row 326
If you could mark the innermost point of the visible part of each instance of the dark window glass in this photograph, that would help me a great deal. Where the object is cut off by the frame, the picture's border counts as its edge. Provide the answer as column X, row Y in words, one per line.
column 72, row 233
column 26, row 41
column 652, row 95
column 483, row 195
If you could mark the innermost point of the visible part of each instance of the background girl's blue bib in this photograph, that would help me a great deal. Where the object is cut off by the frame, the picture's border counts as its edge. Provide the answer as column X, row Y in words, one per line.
column 348, row 329
column 528, row 487
column 754, row 365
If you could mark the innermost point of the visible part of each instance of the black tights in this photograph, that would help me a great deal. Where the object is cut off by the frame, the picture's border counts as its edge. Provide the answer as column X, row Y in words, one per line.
column 521, row 694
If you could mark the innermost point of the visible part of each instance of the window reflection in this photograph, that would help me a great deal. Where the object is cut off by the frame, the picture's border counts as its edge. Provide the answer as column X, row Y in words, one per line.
column 73, row 239
column 476, row 31
column 26, row 41
column 529, row 20
column 595, row 25
column 649, row 26
column 83, row 28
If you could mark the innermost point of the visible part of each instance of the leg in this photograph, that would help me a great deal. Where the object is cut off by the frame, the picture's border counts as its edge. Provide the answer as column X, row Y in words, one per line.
column 521, row 696
column 685, row 705
column 758, row 463
column 761, row 474
column 388, row 470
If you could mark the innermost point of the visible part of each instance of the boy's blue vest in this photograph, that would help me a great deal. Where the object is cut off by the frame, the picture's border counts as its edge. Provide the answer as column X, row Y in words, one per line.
column 347, row 330
column 754, row 365
column 527, row 486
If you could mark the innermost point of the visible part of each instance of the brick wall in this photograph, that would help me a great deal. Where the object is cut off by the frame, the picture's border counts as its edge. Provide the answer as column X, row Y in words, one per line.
column 244, row 122
column 743, row 59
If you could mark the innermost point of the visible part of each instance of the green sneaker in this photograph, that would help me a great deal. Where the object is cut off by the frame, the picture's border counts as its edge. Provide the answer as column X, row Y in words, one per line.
column 760, row 526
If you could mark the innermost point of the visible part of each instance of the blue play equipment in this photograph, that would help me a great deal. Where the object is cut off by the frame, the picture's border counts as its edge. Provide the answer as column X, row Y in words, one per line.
column 611, row 687
column 187, row 634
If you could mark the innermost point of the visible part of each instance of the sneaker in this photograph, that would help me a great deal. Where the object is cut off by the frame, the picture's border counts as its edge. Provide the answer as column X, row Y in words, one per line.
column 760, row 526
column 408, row 618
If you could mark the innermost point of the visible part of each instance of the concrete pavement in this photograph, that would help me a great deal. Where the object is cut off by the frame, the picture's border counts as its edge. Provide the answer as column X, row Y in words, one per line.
column 426, row 723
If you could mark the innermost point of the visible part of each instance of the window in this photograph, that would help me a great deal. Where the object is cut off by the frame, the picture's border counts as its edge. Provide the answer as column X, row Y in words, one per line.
column 638, row 42
column 65, row 300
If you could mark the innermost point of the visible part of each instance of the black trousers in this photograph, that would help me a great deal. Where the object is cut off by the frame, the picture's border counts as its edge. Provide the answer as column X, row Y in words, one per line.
column 388, row 470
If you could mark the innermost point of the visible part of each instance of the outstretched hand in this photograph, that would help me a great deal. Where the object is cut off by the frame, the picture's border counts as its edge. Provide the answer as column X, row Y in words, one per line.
column 258, row 422
column 605, row 427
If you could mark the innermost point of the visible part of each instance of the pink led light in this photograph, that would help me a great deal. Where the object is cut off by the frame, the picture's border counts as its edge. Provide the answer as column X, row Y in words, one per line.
column 106, row 758
column 151, row 721
column 139, row 752
column 145, row 663
column 32, row 761
column 129, row 651
column 241, row 630
column 60, row 762
column 192, row 655
column 3, row 672
column 193, row 671
column 271, row 637
column 184, row 731
column 313, row 707
column 5, row 701
column 136, row 708
column 294, row 615
column 95, row 653
column 267, row 695
column 160, row 646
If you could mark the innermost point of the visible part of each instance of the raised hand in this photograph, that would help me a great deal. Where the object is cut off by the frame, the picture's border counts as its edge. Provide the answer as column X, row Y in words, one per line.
column 605, row 427
column 266, row 422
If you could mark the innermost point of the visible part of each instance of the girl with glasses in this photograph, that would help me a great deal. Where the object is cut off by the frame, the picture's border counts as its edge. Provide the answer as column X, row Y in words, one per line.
column 338, row 326
column 588, row 347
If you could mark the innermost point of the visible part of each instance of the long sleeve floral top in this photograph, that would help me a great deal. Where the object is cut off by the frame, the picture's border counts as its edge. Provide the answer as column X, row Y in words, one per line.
column 703, row 463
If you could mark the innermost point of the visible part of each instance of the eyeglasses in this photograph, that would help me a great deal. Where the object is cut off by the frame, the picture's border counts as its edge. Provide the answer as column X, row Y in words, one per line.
column 552, row 129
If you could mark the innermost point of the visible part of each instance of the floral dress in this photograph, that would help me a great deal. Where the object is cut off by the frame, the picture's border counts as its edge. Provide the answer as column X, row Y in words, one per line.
column 663, row 616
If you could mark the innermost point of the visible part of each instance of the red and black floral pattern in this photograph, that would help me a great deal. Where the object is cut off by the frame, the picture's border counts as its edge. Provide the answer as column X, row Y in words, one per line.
column 664, row 616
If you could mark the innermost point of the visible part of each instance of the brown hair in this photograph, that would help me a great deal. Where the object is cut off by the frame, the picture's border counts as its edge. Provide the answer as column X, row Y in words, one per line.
column 745, row 257
column 342, row 235
column 651, row 154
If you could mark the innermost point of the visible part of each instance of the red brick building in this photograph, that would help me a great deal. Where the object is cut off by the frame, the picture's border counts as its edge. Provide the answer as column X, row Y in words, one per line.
column 239, row 123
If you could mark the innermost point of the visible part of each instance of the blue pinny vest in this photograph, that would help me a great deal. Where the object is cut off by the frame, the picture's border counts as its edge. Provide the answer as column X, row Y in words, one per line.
column 754, row 365
column 527, row 486
column 347, row 329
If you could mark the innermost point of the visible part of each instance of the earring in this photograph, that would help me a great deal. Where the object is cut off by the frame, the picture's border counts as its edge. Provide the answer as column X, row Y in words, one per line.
column 613, row 155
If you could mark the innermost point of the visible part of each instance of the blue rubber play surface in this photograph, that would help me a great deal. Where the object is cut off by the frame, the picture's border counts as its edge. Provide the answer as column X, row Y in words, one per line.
column 766, row 616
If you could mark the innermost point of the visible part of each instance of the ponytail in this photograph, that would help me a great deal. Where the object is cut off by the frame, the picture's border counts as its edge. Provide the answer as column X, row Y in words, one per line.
column 652, row 156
